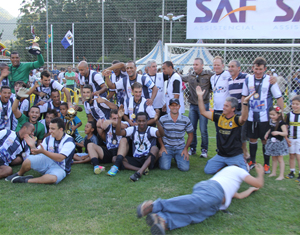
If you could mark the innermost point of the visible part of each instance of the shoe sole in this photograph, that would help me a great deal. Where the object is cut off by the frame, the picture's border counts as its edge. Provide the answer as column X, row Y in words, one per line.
column 151, row 219
column 157, row 229
column 132, row 180
column 24, row 177
column 110, row 174
column 98, row 171
column 139, row 209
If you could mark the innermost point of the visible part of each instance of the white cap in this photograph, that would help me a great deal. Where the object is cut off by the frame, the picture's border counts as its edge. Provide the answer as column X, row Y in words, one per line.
column 273, row 70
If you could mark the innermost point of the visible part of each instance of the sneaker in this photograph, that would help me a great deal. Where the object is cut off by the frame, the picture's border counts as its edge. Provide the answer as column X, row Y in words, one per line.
column 113, row 171
column 21, row 179
column 298, row 179
column 251, row 165
column 144, row 208
column 204, row 153
column 158, row 224
column 192, row 151
column 9, row 178
column 291, row 175
column 146, row 172
column 267, row 169
column 135, row 177
column 98, row 169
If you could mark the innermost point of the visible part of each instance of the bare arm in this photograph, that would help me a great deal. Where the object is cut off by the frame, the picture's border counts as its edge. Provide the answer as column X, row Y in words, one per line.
column 120, row 131
column 201, row 106
column 280, row 102
column 120, row 65
column 90, row 118
column 246, row 193
column 257, row 182
column 102, row 90
column 154, row 93
column 67, row 93
column 15, row 108
column 245, row 110
column 105, row 101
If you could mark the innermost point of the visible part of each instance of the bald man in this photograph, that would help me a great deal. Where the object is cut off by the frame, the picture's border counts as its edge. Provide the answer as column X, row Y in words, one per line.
column 88, row 76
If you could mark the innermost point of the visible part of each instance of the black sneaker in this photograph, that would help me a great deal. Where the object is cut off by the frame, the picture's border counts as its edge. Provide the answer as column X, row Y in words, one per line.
column 146, row 172
column 9, row 178
column 291, row 175
column 21, row 179
column 298, row 179
column 135, row 177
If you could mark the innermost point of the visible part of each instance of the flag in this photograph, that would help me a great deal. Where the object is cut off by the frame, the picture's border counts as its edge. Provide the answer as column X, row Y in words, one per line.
column 49, row 39
column 32, row 30
column 67, row 40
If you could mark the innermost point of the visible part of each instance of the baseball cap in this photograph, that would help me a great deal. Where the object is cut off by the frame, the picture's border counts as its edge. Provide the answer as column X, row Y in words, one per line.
column 174, row 100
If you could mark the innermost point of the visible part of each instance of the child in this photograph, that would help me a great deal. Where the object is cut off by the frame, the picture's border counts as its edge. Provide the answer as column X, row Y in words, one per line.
column 77, row 137
column 90, row 131
column 276, row 144
column 293, row 121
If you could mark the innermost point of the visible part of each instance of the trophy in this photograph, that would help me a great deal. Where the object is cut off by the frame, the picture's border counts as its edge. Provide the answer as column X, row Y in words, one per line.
column 71, row 114
column 34, row 49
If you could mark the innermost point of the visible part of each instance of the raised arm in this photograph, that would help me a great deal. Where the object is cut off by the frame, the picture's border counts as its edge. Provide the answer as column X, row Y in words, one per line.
column 201, row 106
column 119, row 131
column 245, row 109
column 106, row 74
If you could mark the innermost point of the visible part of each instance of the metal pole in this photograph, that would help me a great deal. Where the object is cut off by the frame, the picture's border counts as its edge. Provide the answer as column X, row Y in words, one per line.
column 51, row 33
column 291, row 68
column 162, row 30
column 225, row 41
column 47, row 33
column 170, row 31
column 102, row 34
column 73, row 47
column 134, row 40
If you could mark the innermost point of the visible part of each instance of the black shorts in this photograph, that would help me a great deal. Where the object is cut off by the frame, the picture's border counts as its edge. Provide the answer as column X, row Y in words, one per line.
column 139, row 161
column 108, row 154
column 257, row 130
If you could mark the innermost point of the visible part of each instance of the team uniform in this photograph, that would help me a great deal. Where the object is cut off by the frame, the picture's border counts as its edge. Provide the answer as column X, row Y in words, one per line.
column 131, row 108
column 5, row 82
column 46, row 165
column 77, row 137
column 43, row 121
column 174, row 87
column 94, row 79
column 49, row 105
column 125, row 84
column 259, row 104
column 141, row 145
column 219, row 84
column 54, row 85
column 11, row 146
column 158, row 80
column 97, row 110
column 293, row 121
column 229, row 144
column 120, row 93
column 7, row 116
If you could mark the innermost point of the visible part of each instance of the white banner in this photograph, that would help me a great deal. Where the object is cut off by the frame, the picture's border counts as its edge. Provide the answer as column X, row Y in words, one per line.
column 220, row 19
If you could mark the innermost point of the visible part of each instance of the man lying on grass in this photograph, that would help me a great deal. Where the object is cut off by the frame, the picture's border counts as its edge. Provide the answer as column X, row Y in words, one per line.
column 52, row 158
column 207, row 198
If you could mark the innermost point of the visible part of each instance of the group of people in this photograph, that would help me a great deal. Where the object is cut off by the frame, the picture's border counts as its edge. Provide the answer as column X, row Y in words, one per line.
column 137, row 123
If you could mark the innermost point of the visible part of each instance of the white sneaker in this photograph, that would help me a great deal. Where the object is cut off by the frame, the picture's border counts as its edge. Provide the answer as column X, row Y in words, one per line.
column 204, row 153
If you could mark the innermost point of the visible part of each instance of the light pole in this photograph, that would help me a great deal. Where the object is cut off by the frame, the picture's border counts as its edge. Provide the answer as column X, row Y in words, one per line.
column 170, row 17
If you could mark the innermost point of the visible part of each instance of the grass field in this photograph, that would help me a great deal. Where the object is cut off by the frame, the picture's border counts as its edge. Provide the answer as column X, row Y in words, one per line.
column 84, row 203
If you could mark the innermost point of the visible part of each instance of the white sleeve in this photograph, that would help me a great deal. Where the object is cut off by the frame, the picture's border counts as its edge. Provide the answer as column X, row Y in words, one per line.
column 119, row 85
column 125, row 107
column 86, row 108
column 44, row 144
column 276, row 91
column 150, row 110
column 67, row 148
column 148, row 82
column 104, row 105
column 24, row 106
column 57, row 86
column 98, row 78
column 43, row 108
column 81, row 82
column 3, row 133
column 245, row 91
column 126, row 123
column 129, row 130
column 153, row 131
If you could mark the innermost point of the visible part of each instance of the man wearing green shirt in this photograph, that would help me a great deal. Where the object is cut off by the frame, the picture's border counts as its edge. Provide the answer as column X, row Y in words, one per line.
column 33, row 116
column 70, row 77
column 20, row 71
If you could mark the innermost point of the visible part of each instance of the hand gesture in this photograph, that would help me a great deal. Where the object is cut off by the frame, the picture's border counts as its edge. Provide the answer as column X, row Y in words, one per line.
column 99, row 99
column 73, row 128
column 106, row 72
column 42, row 94
column 162, row 150
column 266, row 136
column 4, row 72
column 185, row 154
column 30, row 141
column 246, row 100
column 36, row 83
column 164, row 108
column 199, row 91
column 38, row 151
column 149, row 102
column 259, row 169
column 121, row 111
column 273, row 80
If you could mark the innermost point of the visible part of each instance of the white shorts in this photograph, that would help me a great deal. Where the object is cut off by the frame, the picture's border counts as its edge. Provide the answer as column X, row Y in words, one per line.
column 295, row 146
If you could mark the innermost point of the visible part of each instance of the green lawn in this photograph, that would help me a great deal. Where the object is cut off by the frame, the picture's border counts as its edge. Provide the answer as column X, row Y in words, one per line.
column 85, row 203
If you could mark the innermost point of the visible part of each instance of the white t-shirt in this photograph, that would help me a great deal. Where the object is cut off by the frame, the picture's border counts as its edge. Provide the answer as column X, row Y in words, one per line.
column 171, row 92
column 230, row 178
column 219, row 84
column 158, row 80
column 61, row 76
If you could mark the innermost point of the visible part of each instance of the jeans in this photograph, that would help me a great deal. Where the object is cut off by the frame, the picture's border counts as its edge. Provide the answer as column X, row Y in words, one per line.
column 217, row 162
column 194, row 116
column 165, row 159
column 181, row 211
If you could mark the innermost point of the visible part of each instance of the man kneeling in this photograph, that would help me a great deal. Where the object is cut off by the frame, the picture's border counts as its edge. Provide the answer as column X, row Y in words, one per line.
column 52, row 158
column 207, row 198
column 144, row 149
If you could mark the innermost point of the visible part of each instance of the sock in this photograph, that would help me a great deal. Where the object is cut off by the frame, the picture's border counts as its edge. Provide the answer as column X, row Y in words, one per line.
column 253, row 149
column 119, row 160
column 293, row 170
column 95, row 161
column 266, row 157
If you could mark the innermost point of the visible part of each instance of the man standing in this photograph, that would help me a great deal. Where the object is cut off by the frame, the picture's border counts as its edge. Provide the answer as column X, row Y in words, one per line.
column 235, row 88
column 260, row 103
column 70, row 78
column 207, row 199
column 55, row 73
column 174, row 87
column 91, row 77
column 52, row 158
column 228, row 133
column 125, row 83
column 199, row 77
column 13, row 148
column 7, row 117
column 20, row 71
column 172, row 144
